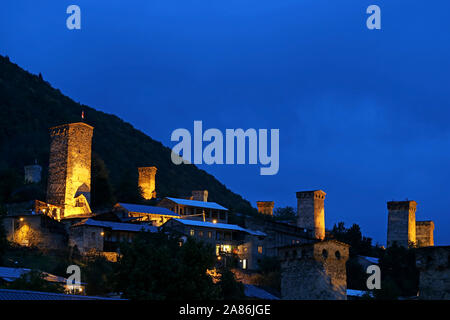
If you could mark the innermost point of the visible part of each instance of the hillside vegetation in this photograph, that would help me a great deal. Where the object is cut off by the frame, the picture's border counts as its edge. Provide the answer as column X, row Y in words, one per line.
column 29, row 106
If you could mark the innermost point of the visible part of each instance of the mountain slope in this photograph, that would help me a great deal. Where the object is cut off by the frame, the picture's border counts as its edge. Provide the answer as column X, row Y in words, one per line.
column 29, row 106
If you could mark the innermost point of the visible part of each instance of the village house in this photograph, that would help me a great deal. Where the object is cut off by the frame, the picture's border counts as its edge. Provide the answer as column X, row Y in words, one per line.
column 104, row 236
column 226, row 239
column 196, row 209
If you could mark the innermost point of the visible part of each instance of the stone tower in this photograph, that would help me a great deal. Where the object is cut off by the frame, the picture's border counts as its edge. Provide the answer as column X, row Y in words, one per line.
column 147, row 182
column 69, row 172
column 33, row 173
column 311, row 212
column 401, row 223
column 200, row 195
column 314, row 271
column 434, row 266
column 265, row 207
column 424, row 233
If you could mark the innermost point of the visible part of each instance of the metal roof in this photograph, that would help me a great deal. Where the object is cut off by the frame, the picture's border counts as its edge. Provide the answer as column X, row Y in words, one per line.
column 195, row 203
column 371, row 259
column 252, row 291
column 117, row 226
column 8, row 294
column 225, row 226
column 11, row 274
column 148, row 209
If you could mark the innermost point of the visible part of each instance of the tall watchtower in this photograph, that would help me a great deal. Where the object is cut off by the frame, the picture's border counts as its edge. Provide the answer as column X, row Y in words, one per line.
column 314, row 271
column 147, row 182
column 311, row 212
column 401, row 223
column 69, row 172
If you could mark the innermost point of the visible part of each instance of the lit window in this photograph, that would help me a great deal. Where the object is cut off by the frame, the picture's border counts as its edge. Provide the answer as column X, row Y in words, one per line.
column 260, row 249
column 244, row 264
column 200, row 233
column 192, row 232
column 209, row 234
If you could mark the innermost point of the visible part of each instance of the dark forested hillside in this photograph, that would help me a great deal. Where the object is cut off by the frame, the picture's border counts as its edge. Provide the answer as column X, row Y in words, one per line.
column 29, row 106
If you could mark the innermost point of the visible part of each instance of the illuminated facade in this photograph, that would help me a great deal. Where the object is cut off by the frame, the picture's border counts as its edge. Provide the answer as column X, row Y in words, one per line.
column 265, row 207
column 147, row 183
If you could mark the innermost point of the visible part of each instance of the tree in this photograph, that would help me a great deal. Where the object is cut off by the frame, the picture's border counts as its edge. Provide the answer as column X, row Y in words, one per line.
column 229, row 287
column 102, row 191
column 359, row 245
column 399, row 275
column 155, row 267
column 286, row 213
column 128, row 189
column 98, row 273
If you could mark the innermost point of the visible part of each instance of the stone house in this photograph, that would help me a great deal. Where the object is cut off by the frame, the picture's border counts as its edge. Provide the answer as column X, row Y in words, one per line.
column 36, row 229
column 103, row 236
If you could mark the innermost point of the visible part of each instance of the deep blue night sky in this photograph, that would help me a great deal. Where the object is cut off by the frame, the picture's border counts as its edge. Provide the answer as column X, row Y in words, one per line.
column 363, row 115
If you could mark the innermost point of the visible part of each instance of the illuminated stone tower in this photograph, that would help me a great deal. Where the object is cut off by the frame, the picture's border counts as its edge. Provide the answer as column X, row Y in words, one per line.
column 147, row 182
column 314, row 271
column 265, row 207
column 200, row 195
column 401, row 223
column 311, row 212
column 424, row 233
column 69, row 172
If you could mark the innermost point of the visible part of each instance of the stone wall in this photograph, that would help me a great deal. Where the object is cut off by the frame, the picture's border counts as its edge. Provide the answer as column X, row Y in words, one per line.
column 424, row 233
column 314, row 271
column 401, row 223
column 86, row 238
column 311, row 212
column 434, row 266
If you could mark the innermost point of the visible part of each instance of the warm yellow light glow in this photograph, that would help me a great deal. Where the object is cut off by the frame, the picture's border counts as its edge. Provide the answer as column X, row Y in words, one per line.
column 21, row 219
column 214, row 221
column 102, row 233
column 219, row 258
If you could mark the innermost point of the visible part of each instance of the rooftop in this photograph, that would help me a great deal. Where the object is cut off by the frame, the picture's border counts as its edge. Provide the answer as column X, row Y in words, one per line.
column 117, row 226
column 252, row 291
column 224, row 226
column 195, row 203
column 11, row 274
column 147, row 209
column 8, row 294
